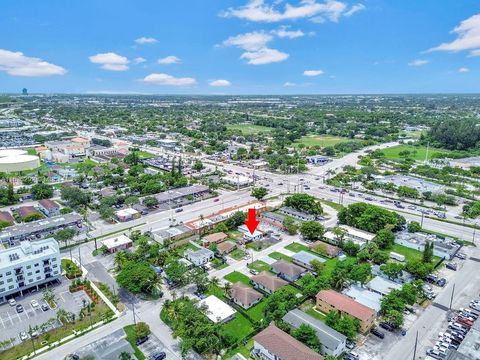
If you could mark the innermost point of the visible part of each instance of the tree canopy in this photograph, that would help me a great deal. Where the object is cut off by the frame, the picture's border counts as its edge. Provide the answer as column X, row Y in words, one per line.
column 304, row 202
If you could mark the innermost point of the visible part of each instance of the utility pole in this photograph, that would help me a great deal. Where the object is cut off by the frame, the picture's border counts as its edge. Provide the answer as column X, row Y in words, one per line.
column 133, row 310
column 451, row 298
column 474, row 232
column 415, row 348
column 79, row 257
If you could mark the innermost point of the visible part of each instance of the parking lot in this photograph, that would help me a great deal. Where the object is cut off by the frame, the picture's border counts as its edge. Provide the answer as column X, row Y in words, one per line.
column 12, row 322
column 153, row 345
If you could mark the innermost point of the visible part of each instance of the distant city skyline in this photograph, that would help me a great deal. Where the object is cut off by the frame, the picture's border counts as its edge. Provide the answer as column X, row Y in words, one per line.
column 240, row 47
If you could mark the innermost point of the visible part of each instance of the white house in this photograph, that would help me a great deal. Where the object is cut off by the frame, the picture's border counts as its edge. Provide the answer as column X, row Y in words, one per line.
column 216, row 310
column 199, row 257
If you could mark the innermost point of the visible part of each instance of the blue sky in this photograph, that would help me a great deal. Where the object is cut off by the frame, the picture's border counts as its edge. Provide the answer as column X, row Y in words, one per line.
column 240, row 46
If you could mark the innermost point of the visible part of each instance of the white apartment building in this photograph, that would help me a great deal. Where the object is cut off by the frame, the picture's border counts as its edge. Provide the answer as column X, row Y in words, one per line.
column 28, row 265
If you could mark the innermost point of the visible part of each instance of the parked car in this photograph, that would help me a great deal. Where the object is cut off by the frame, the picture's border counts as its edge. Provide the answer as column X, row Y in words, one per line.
column 378, row 333
column 387, row 326
column 45, row 307
column 441, row 282
column 350, row 344
column 451, row 266
column 141, row 340
column 461, row 256
column 34, row 303
column 253, row 271
column 23, row 336
column 158, row 356
column 12, row 302
column 19, row 308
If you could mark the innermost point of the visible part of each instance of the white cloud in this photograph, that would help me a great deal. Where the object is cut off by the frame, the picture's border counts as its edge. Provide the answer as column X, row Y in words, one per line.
column 463, row 70
column 255, row 46
column 355, row 8
column 165, row 79
column 139, row 60
column 283, row 32
column 475, row 52
column 261, row 11
column 312, row 72
column 468, row 37
column 110, row 61
column 418, row 62
column 251, row 41
column 264, row 56
column 169, row 60
column 17, row 64
column 220, row 83
column 146, row 40
column 289, row 84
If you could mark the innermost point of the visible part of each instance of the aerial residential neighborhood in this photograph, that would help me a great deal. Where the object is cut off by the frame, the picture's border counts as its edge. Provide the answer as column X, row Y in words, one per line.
column 239, row 180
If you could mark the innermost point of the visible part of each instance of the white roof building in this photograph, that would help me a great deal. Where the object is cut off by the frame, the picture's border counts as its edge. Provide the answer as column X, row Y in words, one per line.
column 121, row 241
column 217, row 310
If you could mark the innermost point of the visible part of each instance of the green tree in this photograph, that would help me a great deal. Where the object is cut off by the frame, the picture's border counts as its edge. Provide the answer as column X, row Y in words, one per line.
column 176, row 272
column 385, row 239
column 150, row 201
column 137, row 277
column 75, row 197
column 427, row 255
column 290, row 225
column 307, row 335
column 392, row 270
column 259, row 193
column 279, row 303
column 312, row 230
column 414, row 226
column 64, row 235
column 304, row 202
column 198, row 166
column 42, row 191
column 237, row 219
column 142, row 329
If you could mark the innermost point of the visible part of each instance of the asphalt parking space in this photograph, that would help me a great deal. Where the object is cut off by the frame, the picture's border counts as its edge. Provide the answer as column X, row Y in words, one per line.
column 152, row 345
column 12, row 322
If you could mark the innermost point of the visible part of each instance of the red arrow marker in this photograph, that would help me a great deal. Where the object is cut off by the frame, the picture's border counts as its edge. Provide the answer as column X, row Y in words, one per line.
column 252, row 221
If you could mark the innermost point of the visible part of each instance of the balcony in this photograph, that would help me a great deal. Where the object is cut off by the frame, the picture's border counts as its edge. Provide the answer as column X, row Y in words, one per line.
column 47, row 270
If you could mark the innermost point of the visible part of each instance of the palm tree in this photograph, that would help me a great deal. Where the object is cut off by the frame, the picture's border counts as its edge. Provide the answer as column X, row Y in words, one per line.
column 214, row 281
column 124, row 356
column 120, row 258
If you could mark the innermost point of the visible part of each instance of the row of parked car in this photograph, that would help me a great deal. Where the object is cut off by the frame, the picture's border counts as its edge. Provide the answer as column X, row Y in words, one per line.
column 458, row 327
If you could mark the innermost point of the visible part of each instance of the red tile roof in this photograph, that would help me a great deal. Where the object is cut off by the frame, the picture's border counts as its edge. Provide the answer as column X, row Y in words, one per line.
column 6, row 216
column 48, row 204
column 284, row 346
column 345, row 304
column 26, row 210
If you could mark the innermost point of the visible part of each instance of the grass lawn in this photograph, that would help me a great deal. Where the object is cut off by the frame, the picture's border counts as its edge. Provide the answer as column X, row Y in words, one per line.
column 216, row 290
column 256, row 312
column 330, row 263
column 235, row 235
column 279, row 256
column 293, row 288
column 238, row 328
column 321, row 140
column 145, row 154
column 297, row 247
column 217, row 264
column 235, row 276
column 332, row 204
column 416, row 152
column 131, row 338
column 409, row 254
column 237, row 254
column 259, row 265
column 242, row 349
column 308, row 307
column 250, row 129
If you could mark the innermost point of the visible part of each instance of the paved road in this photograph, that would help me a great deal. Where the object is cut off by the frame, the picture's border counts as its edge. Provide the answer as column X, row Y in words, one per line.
column 433, row 319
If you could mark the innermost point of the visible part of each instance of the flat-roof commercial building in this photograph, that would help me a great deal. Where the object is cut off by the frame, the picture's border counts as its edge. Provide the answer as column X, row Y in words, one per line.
column 237, row 180
column 364, row 296
column 446, row 247
column 333, row 343
column 274, row 344
column 382, row 286
column 299, row 215
column 40, row 228
column 28, row 265
column 216, row 310
column 328, row 300
column 177, row 195
column 470, row 346
column 127, row 214
column 359, row 237
column 171, row 233
column 199, row 257
column 121, row 242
